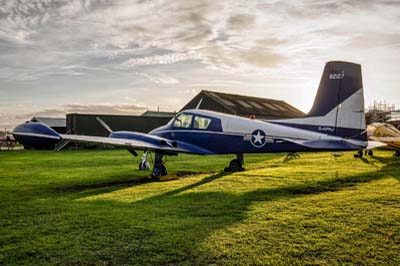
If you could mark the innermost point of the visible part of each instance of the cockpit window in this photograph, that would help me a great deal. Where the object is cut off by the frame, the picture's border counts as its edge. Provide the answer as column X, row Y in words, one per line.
column 183, row 121
column 201, row 122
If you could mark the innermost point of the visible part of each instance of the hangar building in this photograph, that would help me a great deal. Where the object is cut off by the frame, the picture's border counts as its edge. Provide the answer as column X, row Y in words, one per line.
column 245, row 106
column 87, row 124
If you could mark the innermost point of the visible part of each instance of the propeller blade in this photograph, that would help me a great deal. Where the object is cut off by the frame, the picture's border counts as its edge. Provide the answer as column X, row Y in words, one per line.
column 104, row 124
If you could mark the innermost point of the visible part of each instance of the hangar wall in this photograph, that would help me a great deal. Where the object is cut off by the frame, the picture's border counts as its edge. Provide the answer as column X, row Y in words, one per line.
column 86, row 124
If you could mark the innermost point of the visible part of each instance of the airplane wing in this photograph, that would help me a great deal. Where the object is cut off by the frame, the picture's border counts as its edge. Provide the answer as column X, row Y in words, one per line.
column 40, row 136
column 139, row 141
column 119, row 142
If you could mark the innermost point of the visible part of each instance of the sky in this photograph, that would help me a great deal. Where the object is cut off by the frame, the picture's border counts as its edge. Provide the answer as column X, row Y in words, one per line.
column 127, row 56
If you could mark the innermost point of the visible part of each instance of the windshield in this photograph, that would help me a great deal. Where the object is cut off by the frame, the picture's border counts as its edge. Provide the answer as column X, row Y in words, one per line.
column 183, row 121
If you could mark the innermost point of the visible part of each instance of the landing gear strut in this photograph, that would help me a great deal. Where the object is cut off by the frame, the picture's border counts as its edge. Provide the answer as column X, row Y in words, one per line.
column 236, row 165
column 159, row 168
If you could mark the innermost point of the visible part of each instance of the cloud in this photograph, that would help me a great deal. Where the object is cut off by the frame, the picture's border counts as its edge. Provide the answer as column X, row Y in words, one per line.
column 159, row 78
column 67, row 49
column 239, row 22
column 43, row 113
column 105, row 109
column 169, row 58
column 262, row 57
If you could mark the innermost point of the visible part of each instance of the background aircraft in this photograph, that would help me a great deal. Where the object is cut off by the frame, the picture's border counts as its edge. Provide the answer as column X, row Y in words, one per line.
column 385, row 136
column 336, row 122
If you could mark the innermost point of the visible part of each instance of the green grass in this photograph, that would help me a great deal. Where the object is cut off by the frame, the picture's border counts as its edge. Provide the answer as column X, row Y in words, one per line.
column 95, row 208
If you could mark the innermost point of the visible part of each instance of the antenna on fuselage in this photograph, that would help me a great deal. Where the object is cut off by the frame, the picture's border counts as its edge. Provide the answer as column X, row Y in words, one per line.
column 198, row 105
column 104, row 124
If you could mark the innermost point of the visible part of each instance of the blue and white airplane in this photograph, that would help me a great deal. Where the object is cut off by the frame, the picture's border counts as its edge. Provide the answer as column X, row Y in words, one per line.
column 336, row 122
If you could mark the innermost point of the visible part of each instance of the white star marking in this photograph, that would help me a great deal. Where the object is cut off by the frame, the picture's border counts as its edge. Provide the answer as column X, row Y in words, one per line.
column 258, row 138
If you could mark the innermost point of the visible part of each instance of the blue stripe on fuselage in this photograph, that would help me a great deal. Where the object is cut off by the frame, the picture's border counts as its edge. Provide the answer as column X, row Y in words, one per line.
column 352, row 133
column 227, row 143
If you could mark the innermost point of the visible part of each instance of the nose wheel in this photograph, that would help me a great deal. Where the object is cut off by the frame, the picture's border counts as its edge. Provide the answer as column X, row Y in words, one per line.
column 144, row 163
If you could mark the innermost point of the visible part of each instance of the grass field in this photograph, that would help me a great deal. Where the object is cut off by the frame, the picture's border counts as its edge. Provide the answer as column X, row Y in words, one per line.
column 95, row 208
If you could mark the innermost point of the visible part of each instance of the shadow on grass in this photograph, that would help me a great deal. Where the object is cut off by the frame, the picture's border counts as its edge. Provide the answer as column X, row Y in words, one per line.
column 125, row 181
column 104, row 187
column 81, row 191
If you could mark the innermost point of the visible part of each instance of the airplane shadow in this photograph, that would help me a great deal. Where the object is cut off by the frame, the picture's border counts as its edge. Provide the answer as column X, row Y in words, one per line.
column 85, row 190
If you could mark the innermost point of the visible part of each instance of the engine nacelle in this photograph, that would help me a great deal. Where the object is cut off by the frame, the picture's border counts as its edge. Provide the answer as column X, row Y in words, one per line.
column 36, row 135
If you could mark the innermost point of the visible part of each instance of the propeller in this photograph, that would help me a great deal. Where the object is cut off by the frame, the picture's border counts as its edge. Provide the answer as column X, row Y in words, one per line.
column 104, row 124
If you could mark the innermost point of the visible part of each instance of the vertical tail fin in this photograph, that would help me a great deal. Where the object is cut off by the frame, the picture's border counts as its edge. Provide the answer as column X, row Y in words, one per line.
column 338, row 107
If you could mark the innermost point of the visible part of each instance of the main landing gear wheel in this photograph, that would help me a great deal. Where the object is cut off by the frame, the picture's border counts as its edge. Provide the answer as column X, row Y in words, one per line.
column 236, row 165
column 370, row 153
column 396, row 154
column 159, row 168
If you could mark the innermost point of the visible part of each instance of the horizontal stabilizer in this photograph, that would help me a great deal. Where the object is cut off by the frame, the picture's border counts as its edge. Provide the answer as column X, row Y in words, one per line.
column 375, row 145
column 328, row 145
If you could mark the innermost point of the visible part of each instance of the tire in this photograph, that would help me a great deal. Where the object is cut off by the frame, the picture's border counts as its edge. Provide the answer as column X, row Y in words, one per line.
column 158, row 171
column 370, row 153
column 156, row 174
column 235, row 166
column 144, row 165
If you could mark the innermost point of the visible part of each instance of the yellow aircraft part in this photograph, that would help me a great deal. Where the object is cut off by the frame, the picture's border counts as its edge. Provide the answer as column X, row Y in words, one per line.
column 385, row 133
column 386, row 130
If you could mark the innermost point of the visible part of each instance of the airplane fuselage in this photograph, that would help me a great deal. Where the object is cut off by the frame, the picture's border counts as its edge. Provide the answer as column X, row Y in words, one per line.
column 228, row 134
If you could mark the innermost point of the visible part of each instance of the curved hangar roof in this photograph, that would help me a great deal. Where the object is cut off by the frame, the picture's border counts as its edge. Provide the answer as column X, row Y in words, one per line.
column 243, row 105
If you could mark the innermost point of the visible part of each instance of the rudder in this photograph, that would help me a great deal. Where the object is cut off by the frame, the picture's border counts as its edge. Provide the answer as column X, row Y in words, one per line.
column 338, row 107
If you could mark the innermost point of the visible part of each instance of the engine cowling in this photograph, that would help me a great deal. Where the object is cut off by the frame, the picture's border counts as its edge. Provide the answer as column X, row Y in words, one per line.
column 36, row 135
